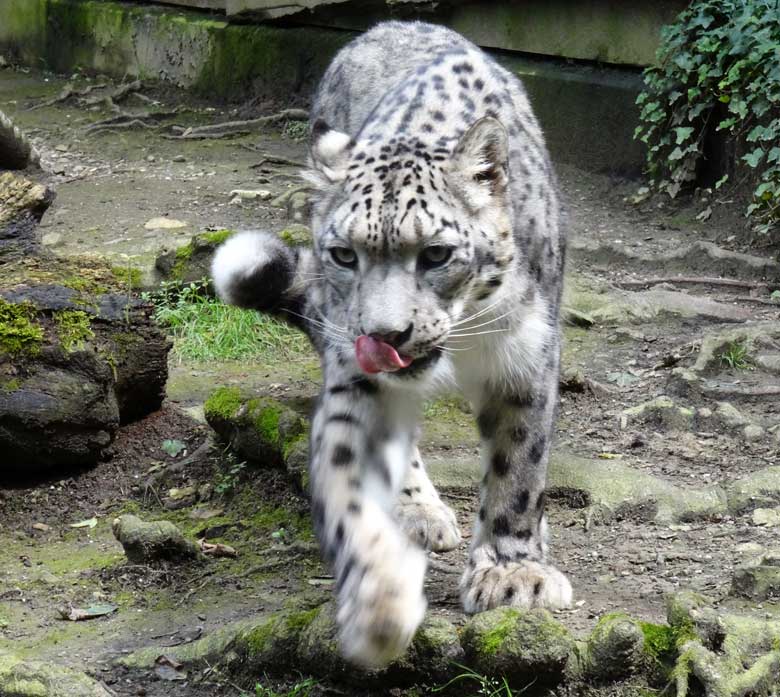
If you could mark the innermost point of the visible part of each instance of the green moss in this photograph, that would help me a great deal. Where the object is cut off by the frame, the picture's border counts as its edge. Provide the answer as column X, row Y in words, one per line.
column 662, row 641
column 299, row 440
column 492, row 640
column 223, row 403
column 73, row 329
column 301, row 620
column 10, row 385
column 218, row 236
column 129, row 276
column 266, row 421
column 84, row 285
column 20, row 334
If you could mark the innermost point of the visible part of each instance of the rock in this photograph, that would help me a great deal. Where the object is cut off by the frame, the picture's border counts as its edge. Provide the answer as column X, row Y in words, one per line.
column 753, row 432
column 296, row 235
column 250, row 194
column 192, row 262
column 162, row 223
column 618, row 490
column 299, row 207
column 720, row 651
column 615, row 648
column 261, row 430
column 758, row 581
column 524, row 646
column 729, row 416
column 23, row 678
column 434, row 651
column 576, row 318
column 769, row 517
column 146, row 542
column 318, row 646
column 700, row 257
column 661, row 412
column 759, row 489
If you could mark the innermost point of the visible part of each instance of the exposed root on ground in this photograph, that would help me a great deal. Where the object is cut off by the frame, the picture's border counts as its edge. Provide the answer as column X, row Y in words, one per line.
column 227, row 129
column 698, row 280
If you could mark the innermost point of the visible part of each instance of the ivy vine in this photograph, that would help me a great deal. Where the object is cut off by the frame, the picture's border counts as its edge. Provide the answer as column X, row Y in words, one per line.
column 717, row 67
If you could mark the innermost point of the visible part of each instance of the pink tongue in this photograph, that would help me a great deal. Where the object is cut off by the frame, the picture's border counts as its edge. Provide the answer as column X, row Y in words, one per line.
column 377, row 356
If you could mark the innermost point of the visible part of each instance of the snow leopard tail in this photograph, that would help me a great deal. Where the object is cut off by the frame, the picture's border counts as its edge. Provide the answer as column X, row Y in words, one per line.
column 257, row 271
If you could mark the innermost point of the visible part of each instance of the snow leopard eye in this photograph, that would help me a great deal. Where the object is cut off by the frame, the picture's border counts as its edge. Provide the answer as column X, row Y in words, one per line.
column 434, row 256
column 344, row 256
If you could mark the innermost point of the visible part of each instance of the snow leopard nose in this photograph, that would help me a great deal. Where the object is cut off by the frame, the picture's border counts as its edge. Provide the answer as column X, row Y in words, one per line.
column 394, row 338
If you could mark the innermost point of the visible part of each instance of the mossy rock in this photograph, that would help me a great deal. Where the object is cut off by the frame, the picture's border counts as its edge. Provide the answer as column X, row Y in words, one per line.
column 757, row 581
column 318, row 647
column 147, row 542
column 525, row 646
column 432, row 656
column 615, row 648
column 23, row 678
column 262, row 430
column 191, row 262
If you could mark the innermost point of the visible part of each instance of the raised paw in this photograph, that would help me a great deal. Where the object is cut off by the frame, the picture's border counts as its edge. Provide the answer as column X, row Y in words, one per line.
column 525, row 584
column 381, row 602
column 430, row 523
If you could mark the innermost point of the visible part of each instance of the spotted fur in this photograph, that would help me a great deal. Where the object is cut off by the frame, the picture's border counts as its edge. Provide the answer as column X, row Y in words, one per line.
column 437, row 229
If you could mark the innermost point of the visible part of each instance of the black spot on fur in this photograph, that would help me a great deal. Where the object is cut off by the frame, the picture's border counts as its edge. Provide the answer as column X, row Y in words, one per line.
column 354, row 507
column 500, row 464
column 521, row 503
column 509, row 593
column 537, row 587
column 523, row 534
column 501, row 526
column 342, row 455
column 537, row 450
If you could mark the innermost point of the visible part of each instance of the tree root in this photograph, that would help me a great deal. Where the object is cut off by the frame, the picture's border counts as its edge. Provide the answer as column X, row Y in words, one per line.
column 69, row 92
column 227, row 129
column 698, row 280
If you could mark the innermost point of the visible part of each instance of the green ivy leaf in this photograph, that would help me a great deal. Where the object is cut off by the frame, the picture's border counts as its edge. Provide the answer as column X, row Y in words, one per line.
column 683, row 133
column 753, row 158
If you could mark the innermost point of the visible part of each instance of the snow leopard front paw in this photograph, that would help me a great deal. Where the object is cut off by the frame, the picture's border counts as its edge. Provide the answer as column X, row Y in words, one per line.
column 381, row 602
column 525, row 584
column 429, row 522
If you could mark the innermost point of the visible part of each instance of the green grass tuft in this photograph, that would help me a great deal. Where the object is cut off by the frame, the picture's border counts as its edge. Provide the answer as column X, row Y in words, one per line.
column 73, row 329
column 736, row 356
column 205, row 329
column 19, row 332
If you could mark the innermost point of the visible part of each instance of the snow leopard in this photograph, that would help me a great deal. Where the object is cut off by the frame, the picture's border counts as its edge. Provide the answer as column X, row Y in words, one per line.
column 437, row 261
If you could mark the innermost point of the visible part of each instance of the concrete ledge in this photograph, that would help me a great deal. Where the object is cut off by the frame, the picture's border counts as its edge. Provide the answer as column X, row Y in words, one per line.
column 587, row 113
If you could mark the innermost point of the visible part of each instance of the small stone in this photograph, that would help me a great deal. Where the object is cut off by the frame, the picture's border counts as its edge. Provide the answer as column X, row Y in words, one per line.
column 250, row 194
column 179, row 158
column 162, row 223
column 145, row 542
column 614, row 648
column 729, row 415
column 151, row 158
column 753, row 432
column 61, row 148
column 769, row 517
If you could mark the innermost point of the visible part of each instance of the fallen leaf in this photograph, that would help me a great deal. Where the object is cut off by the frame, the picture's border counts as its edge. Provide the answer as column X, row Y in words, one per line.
column 77, row 614
column 216, row 549
column 610, row 456
column 705, row 214
column 42, row 527
column 89, row 523
column 167, row 668
column 173, row 447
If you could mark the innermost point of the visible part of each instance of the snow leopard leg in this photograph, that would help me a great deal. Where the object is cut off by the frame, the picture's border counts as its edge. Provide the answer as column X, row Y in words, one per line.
column 507, row 557
column 361, row 446
column 423, row 516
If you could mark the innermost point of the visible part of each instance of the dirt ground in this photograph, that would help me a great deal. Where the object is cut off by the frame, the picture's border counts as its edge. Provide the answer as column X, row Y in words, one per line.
column 110, row 184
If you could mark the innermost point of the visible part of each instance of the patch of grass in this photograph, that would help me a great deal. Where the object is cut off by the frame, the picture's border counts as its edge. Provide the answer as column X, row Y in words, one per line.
column 484, row 685
column 205, row 329
column 735, row 355
column 129, row 276
column 299, row 689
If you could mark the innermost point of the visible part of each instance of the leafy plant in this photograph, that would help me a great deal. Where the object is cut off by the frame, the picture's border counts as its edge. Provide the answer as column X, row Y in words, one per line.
column 205, row 329
column 736, row 356
column 296, row 130
column 718, row 67
column 228, row 479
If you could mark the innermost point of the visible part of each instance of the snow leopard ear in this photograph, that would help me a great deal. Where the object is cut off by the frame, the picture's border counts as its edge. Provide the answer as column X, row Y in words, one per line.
column 479, row 163
column 329, row 155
